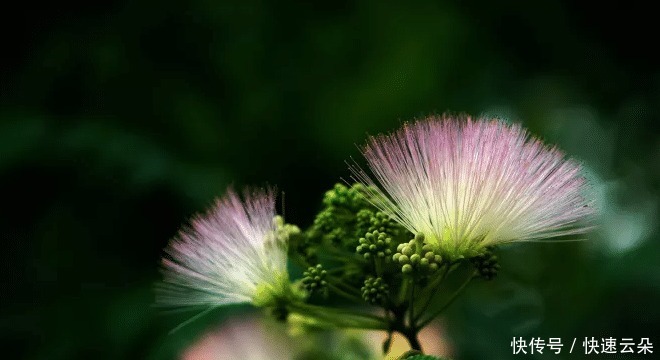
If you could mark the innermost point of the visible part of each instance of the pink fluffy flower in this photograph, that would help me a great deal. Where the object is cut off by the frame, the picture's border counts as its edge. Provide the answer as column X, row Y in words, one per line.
column 231, row 254
column 467, row 184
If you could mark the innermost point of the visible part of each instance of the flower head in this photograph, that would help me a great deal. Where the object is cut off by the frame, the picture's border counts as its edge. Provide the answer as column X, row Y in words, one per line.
column 235, row 253
column 466, row 184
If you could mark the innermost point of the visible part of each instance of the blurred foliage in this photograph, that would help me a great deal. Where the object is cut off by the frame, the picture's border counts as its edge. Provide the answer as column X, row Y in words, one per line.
column 422, row 357
column 119, row 120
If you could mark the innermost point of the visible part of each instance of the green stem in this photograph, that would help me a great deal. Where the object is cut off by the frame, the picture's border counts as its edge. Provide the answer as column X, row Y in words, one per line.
column 340, row 317
column 449, row 302
column 339, row 257
column 433, row 287
column 408, row 331
column 442, row 274
column 345, row 294
column 378, row 266
column 403, row 292
column 412, row 306
column 413, row 340
column 342, row 286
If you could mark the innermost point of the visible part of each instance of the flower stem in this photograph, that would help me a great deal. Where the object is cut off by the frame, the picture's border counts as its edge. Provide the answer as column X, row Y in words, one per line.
column 340, row 317
column 378, row 266
column 411, row 336
column 409, row 331
column 449, row 302
column 343, row 293
column 433, row 286
column 412, row 305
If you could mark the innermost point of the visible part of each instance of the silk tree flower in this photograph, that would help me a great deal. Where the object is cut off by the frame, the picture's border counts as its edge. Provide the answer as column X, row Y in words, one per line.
column 234, row 253
column 467, row 184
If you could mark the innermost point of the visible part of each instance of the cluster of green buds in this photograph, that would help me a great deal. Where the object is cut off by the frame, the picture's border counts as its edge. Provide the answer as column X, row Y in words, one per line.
column 486, row 264
column 327, row 224
column 314, row 279
column 344, row 197
column 372, row 220
column 371, row 258
column 375, row 244
column 375, row 290
column 335, row 224
column 417, row 257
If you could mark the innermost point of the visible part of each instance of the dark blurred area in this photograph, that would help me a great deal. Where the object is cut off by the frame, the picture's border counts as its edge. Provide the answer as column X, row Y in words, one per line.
column 119, row 120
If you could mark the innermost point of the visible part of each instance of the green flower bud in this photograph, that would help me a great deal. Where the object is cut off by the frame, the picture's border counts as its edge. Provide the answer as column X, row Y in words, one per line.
column 375, row 244
column 487, row 264
column 314, row 279
column 375, row 290
column 407, row 269
column 422, row 258
column 369, row 221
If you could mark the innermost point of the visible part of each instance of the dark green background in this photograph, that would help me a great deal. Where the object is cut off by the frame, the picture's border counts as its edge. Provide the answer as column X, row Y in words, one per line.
column 119, row 120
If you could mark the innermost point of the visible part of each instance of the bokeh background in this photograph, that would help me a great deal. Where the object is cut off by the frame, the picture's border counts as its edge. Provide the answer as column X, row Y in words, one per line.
column 120, row 119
